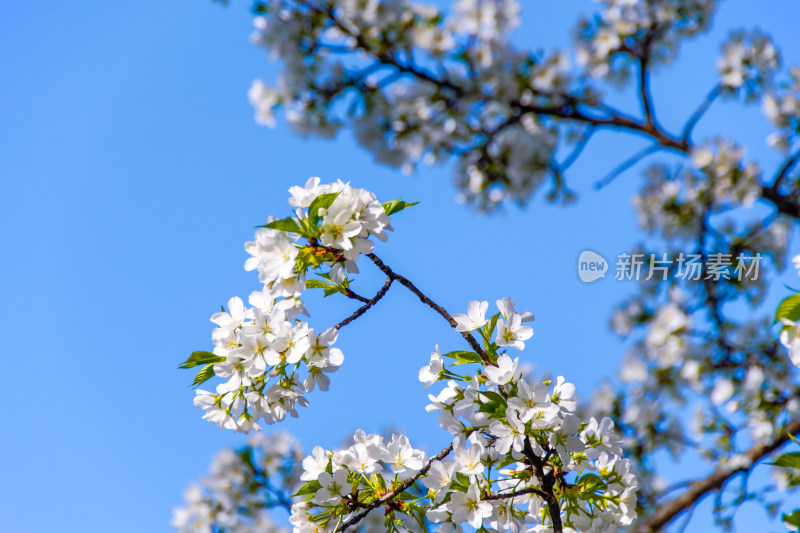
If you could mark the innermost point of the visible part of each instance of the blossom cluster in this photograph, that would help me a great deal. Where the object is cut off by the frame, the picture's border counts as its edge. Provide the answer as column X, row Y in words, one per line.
column 514, row 440
column 269, row 358
column 260, row 351
column 731, row 181
column 782, row 107
column 465, row 100
column 241, row 486
column 749, row 59
column 675, row 203
column 608, row 43
column 336, row 219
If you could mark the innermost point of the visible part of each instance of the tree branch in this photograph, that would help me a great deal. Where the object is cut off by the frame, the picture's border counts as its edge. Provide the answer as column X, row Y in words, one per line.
column 579, row 146
column 547, row 482
column 430, row 303
column 699, row 112
column 626, row 165
column 697, row 490
column 784, row 204
column 393, row 493
column 784, row 170
column 353, row 296
column 367, row 305
column 521, row 492
column 644, row 89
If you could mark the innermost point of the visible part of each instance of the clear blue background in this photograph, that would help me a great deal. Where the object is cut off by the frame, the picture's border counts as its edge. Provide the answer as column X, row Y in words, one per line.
column 132, row 173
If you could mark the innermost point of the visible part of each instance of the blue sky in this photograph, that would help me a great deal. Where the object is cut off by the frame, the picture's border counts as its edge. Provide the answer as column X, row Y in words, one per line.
column 132, row 173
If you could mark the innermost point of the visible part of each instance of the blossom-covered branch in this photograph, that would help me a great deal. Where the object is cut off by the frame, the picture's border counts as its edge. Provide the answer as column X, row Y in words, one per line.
column 517, row 443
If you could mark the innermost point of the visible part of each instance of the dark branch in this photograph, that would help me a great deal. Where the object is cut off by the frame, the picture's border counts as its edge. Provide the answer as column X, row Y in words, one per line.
column 350, row 294
column 697, row 490
column 626, row 165
column 784, row 170
column 366, row 307
column 430, row 303
column 547, row 483
column 784, row 204
column 698, row 114
column 644, row 91
column 579, row 146
column 507, row 495
column 358, row 517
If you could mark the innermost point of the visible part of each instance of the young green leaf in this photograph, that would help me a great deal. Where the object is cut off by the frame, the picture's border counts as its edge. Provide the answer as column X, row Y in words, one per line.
column 204, row 375
column 494, row 396
column 309, row 488
column 464, row 355
column 201, row 358
column 316, row 284
column 377, row 482
column 323, row 201
column 488, row 328
column 396, row 205
column 789, row 308
column 284, row 224
column 788, row 460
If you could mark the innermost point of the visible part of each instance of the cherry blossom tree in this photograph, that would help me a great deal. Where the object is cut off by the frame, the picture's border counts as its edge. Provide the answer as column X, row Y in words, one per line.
column 417, row 83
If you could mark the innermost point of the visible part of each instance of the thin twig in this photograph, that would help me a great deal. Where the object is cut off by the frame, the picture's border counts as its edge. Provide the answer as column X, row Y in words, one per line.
column 699, row 112
column 644, row 89
column 579, row 146
column 784, row 170
column 521, row 492
column 352, row 295
column 366, row 307
column 430, row 303
column 626, row 165
column 393, row 493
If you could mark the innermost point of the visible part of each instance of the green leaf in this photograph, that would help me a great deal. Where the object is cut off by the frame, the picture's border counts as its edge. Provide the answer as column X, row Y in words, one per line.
column 463, row 357
column 377, row 482
column 789, row 308
column 323, row 201
column 316, row 284
column 396, row 205
column 309, row 488
column 488, row 328
column 507, row 461
column 793, row 519
column 788, row 460
column 284, row 224
column 454, row 355
column 493, row 408
column 590, row 480
column 201, row 358
column 494, row 396
column 206, row 373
